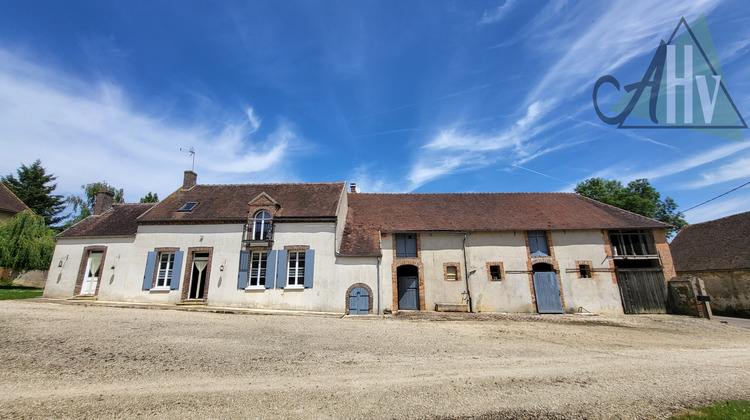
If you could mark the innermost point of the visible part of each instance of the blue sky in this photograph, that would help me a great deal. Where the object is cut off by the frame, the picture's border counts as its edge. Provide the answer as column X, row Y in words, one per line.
column 432, row 96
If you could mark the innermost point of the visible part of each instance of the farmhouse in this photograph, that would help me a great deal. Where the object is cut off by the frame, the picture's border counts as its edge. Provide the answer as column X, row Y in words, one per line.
column 323, row 247
column 718, row 252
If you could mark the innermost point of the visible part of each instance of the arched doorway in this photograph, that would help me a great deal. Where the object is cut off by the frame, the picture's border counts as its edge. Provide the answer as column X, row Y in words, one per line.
column 546, row 289
column 359, row 299
column 408, row 287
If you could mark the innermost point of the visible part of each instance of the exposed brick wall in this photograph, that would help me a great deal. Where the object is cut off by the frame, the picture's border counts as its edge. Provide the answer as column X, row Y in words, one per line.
column 502, row 271
column 662, row 247
column 452, row 264
column 608, row 253
column 546, row 260
column 417, row 262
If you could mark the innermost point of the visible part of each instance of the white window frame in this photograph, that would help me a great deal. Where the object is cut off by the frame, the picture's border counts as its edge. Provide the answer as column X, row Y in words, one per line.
column 264, row 218
column 259, row 273
column 295, row 273
column 164, row 273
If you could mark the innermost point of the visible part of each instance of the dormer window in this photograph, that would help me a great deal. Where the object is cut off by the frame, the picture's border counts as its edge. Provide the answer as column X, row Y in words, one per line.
column 188, row 207
column 262, row 226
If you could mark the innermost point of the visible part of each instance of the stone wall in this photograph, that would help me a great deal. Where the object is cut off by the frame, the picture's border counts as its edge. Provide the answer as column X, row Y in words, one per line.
column 683, row 297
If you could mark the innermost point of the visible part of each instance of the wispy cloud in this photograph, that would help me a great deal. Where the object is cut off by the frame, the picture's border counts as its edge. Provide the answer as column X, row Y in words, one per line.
column 737, row 169
column 497, row 14
column 590, row 46
column 88, row 131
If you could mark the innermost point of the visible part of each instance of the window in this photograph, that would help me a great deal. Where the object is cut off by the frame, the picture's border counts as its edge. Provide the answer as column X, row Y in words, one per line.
column 584, row 271
column 262, row 226
column 258, row 262
column 538, row 243
column 495, row 271
column 406, row 245
column 452, row 271
column 164, row 270
column 187, row 207
column 632, row 242
column 296, row 269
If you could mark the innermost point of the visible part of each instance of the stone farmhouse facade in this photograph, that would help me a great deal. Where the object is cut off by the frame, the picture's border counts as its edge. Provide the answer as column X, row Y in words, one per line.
column 718, row 252
column 322, row 247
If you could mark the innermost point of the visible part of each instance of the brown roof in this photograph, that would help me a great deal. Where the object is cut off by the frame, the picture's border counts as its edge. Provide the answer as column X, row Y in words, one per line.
column 121, row 220
column 230, row 202
column 369, row 213
column 9, row 202
column 721, row 244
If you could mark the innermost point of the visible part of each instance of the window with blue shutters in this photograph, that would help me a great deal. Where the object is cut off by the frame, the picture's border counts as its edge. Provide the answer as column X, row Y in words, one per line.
column 538, row 243
column 163, row 269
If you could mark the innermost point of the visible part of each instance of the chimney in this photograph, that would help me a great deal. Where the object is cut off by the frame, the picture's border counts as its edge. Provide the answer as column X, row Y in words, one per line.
column 190, row 180
column 353, row 187
column 103, row 201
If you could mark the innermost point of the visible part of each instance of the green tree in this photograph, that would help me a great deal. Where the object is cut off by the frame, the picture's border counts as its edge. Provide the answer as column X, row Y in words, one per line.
column 33, row 187
column 638, row 196
column 84, row 207
column 150, row 198
column 26, row 243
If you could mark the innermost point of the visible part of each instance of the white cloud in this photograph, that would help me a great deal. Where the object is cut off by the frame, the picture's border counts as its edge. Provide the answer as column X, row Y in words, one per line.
column 720, row 208
column 737, row 169
column 497, row 14
column 88, row 131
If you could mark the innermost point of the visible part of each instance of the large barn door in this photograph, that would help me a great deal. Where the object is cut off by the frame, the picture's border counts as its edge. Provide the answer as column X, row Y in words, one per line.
column 547, row 291
column 643, row 291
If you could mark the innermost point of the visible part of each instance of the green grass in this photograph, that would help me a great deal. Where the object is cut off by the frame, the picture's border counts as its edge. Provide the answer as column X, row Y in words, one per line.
column 8, row 292
column 729, row 410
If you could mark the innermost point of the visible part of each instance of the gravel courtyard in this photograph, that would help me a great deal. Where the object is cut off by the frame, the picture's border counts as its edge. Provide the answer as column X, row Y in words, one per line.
column 63, row 360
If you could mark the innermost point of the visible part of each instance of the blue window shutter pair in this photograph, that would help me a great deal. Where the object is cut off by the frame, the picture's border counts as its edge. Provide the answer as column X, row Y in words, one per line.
column 242, row 277
column 281, row 272
column 270, row 269
column 148, row 276
column 309, row 267
column 176, row 269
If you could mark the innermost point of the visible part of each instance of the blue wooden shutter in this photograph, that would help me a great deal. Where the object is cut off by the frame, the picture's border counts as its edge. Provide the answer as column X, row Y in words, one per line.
column 411, row 245
column 400, row 245
column 281, row 272
column 270, row 269
column 148, row 276
column 242, row 276
column 309, row 267
column 176, row 270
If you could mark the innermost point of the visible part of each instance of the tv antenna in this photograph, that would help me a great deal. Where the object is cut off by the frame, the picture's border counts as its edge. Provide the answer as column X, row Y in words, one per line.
column 191, row 152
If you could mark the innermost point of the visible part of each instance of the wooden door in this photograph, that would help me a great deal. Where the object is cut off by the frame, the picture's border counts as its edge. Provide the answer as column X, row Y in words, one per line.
column 359, row 302
column 547, row 292
column 643, row 291
column 408, row 293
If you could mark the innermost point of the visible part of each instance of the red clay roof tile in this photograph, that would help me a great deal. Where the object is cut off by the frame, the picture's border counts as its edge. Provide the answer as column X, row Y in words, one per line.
column 121, row 220
column 721, row 244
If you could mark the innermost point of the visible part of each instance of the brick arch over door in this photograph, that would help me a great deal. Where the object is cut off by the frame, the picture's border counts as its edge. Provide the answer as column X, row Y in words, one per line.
column 349, row 292
column 420, row 276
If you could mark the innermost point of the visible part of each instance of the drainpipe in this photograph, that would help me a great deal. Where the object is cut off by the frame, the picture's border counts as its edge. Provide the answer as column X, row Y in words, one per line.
column 378, row 277
column 466, row 275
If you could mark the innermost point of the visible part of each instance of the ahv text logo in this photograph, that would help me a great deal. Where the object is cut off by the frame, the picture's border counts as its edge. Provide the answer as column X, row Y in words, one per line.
column 683, row 87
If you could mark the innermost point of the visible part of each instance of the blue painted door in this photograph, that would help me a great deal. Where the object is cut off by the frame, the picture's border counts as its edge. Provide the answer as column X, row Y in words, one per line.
column 408, row 293
column 547, row 291
column 359, row 302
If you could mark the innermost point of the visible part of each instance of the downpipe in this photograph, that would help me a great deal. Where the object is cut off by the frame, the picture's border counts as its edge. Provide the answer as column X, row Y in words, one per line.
column 466, row 276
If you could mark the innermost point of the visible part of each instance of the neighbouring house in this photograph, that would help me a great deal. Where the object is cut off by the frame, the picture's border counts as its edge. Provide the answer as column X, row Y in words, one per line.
column 322, row 247
column 10, row 205
column 718, row 252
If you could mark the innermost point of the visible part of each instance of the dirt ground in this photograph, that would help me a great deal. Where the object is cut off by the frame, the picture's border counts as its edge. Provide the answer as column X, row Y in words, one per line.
column 79, row 361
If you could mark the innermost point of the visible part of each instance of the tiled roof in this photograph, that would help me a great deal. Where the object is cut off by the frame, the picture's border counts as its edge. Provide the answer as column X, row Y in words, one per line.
column 369, row 213
column 121, row 220
column 9, row 202
column 721, row 244
column 230, row 202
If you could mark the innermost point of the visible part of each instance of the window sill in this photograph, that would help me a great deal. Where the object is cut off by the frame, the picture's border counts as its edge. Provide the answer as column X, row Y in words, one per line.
column 160, row 290
column 255, row 289
column 294, row 287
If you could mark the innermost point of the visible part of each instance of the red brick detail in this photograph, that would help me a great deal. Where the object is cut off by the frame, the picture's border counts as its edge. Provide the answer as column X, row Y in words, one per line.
column 189, row 271
column 417, row 262
column 608, row 253
column 458, row 271
column 297, row 247
column 502, row 271
column 547, row 260
column 82, row 268
column 665, row 255
column 354, row 286
column 590, row 269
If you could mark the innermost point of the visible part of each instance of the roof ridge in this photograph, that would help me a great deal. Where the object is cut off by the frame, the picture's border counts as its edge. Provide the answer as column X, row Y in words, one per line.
column 618, row 208
column 473, row 193
column 720, row 218
column 270, row 183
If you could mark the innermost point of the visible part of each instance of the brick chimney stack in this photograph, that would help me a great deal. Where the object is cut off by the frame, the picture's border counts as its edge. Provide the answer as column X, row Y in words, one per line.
column 104, row 199
column 190, row 180
column 353, row 187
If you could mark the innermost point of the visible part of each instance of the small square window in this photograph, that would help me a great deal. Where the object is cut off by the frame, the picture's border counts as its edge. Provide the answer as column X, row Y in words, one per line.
column 495, row 271
column 188, row 207
column 451, row 273
column 584, row 271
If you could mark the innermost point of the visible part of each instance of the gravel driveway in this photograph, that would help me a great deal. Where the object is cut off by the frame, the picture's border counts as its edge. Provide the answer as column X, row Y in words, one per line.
column 93, row 361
